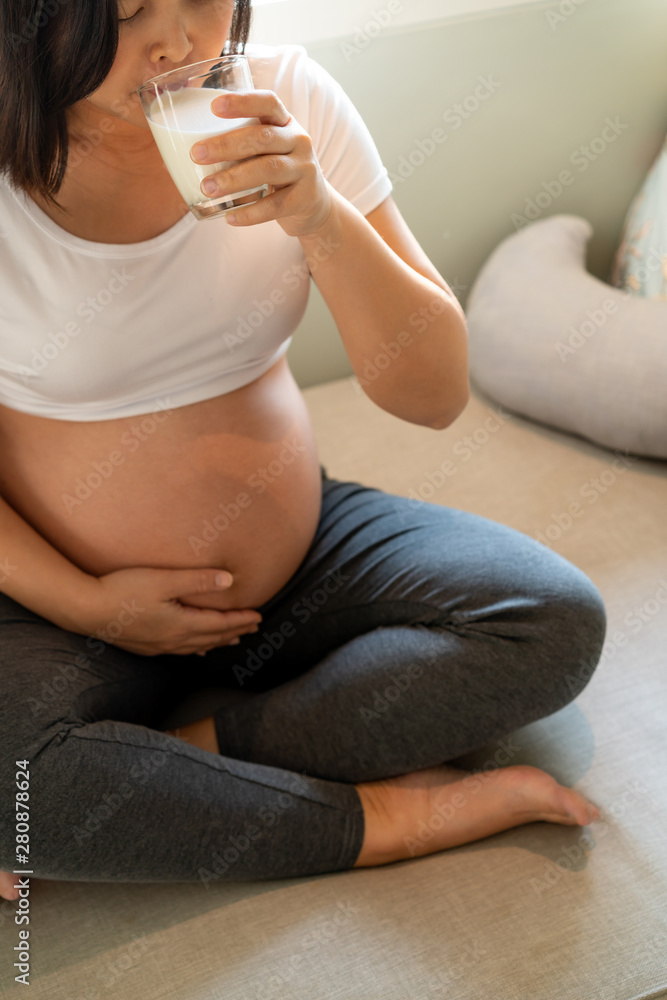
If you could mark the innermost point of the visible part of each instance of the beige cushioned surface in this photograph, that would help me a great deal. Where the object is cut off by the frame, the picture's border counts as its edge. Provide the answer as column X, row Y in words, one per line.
column 541, row 911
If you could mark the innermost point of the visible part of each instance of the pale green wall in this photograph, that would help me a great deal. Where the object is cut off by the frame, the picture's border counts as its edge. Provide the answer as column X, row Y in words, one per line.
column 558, row 85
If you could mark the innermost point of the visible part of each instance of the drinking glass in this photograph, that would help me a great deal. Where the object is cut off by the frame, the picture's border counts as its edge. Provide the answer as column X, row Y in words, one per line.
column 177, row 105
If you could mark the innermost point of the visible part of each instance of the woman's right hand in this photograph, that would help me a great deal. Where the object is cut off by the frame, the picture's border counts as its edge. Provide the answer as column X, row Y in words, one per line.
column 143, row 606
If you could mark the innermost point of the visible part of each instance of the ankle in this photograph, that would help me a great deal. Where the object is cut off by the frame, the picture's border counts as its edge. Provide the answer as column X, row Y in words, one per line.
column 382, row 843
column 200, row 734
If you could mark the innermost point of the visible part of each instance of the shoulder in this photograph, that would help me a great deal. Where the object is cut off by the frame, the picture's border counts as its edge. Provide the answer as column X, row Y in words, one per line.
column 11, row 217
column 276, row 64
column 342, row 142
column 290, row 72
column 306, row 88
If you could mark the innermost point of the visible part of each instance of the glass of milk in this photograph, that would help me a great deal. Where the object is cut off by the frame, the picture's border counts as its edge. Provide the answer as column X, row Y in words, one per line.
column 177, row 105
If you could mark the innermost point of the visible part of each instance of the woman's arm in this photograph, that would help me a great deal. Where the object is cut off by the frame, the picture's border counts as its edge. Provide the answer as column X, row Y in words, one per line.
column 37, row 575
column 402, row 326
column 387, row 299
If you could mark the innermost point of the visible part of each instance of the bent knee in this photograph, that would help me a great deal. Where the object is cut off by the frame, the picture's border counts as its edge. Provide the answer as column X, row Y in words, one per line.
column 575, row 629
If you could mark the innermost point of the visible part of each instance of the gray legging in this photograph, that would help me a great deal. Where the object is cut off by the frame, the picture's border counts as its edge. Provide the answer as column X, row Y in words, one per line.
column 410, row 635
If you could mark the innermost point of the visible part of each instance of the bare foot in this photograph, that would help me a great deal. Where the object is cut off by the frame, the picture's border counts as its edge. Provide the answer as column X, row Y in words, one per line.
column 440, row 807
column 7, row 890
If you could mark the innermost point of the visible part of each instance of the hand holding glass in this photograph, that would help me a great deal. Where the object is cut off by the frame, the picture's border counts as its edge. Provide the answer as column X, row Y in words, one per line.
column 177, row 106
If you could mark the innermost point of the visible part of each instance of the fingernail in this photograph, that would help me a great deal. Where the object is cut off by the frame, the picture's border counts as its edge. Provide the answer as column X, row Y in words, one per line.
column 209, row 186
column 199, row 152
column 223, row 579
column 220, row 104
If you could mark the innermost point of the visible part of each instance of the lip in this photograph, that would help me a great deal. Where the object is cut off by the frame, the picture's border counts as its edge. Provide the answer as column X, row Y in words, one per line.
column 156, row 76
column 155, row 90
column 153, row 76
column 147, row 80
column 194, row 62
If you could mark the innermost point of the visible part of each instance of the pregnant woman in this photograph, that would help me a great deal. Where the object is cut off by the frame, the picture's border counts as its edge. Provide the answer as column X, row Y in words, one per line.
column 165, row 523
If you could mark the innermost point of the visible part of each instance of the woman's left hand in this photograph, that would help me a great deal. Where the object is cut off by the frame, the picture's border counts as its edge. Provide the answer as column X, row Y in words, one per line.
column 277, row 152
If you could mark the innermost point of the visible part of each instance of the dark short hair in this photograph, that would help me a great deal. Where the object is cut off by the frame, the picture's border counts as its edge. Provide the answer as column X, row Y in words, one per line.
column 54, row 53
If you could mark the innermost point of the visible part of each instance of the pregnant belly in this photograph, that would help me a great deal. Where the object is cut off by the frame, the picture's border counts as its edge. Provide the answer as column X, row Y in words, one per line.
column 232, row 483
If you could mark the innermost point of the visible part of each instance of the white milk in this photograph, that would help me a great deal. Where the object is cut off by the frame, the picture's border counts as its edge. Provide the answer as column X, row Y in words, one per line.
column 196, row 121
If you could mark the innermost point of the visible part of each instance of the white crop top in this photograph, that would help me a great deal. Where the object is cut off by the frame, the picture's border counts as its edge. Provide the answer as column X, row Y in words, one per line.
column 97, row 331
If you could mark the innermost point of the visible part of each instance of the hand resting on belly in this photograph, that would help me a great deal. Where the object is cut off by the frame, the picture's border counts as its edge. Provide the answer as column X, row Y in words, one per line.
column 231, row 483
column 161, row 611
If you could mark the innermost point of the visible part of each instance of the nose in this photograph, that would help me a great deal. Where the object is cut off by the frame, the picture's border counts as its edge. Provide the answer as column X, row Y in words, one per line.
column 173, row 47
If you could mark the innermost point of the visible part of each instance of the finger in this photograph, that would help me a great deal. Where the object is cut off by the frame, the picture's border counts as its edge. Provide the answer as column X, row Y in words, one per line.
column 177, row 583
column 240, row 143
column 271, row 206
column 213, row 633
column 279, row 171
column 208, row 621
column 262, row 104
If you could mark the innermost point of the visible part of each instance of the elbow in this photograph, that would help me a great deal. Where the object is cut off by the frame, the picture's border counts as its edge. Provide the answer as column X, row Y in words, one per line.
column 458, row 394
column 454, row 409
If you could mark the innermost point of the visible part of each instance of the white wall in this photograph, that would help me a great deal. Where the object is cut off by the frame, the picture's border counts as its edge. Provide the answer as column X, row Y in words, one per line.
column 305, row 21
column 564, row 68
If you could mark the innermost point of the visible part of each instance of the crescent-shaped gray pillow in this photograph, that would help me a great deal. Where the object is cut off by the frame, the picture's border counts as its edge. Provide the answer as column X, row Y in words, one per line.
column 551, row 342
